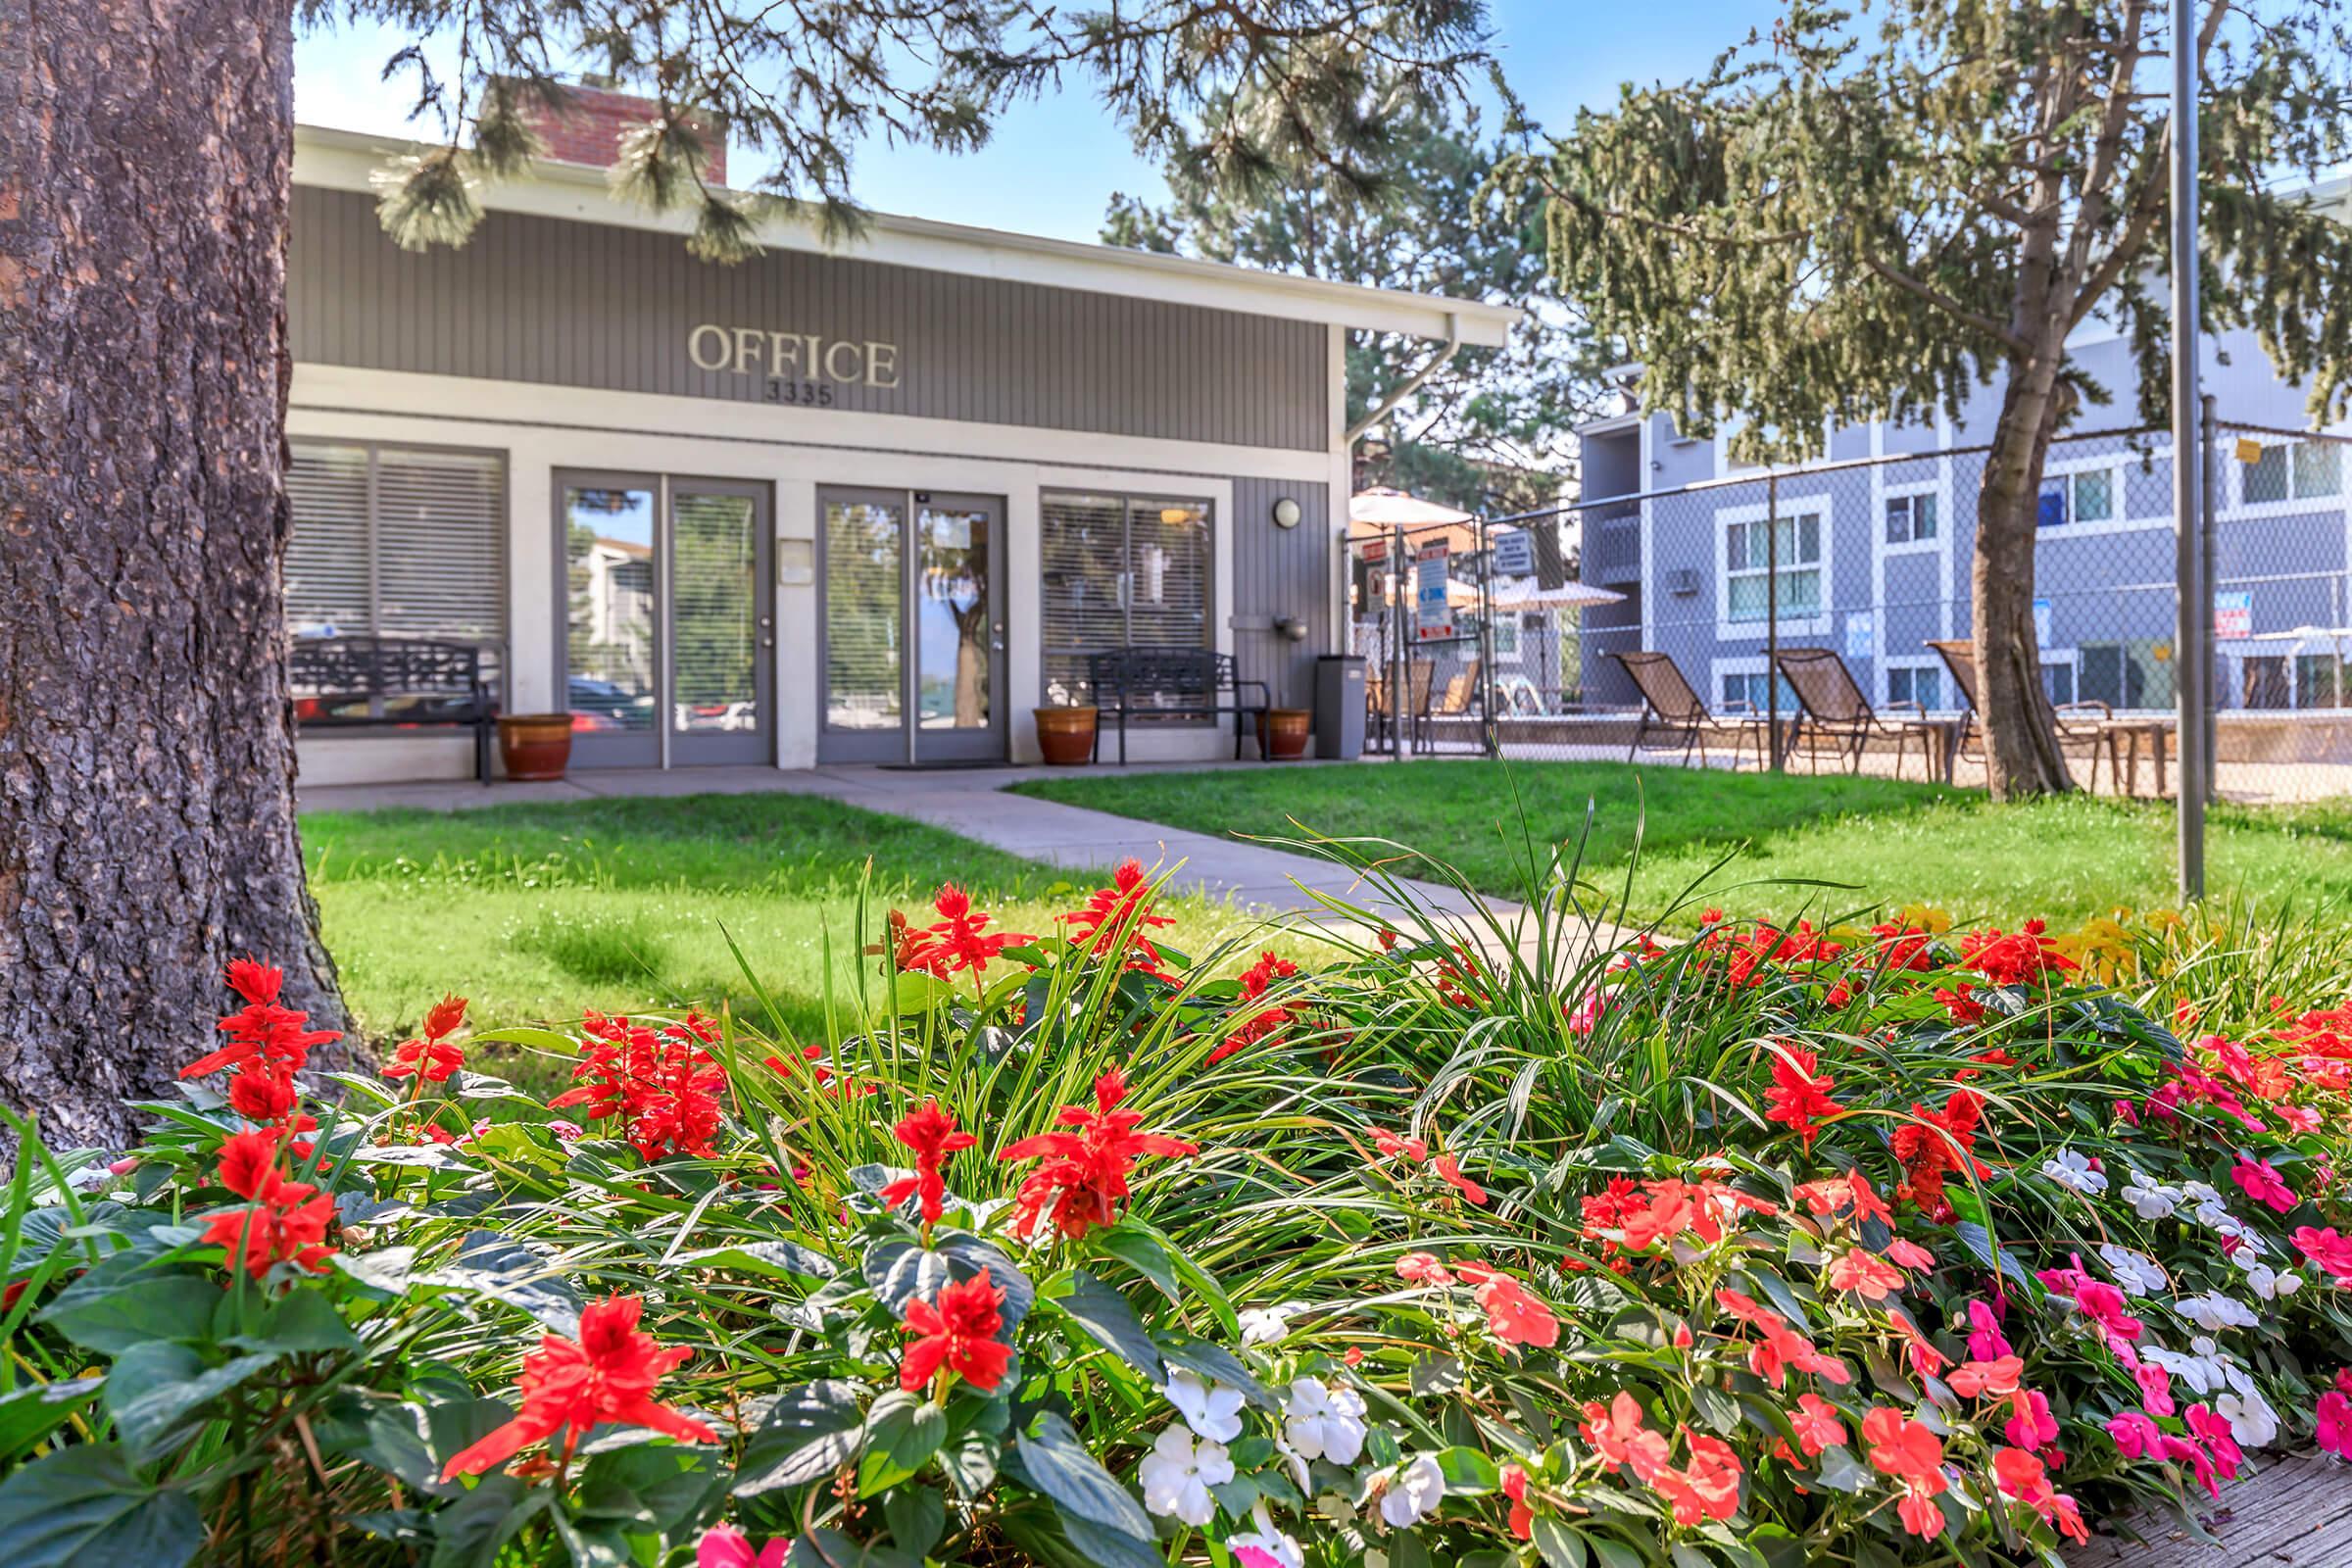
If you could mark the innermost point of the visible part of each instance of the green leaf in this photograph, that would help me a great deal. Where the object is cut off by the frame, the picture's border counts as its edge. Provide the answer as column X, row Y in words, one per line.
column 468, row 1532
column 903, row 1431
column 916, row 1516
column 809, row 1433
column 492, row 1265
column 1139, row 1249
column 1468, row 1473
column 1060, row 1466
column 1106, row 1315
column 30, row 1414
column 1841, row 1471
column 899, row 1271
column 544, row 1039
column 783, row 1259
column 1717, row 1408
column 970, row 1255
column 157, row 1394
column 1105, row 1547
column 1613, row 1553
column 113, row 1310
column 1560, row 1546
column 303, row 1321
column 657, row 1487
column 82, row 1507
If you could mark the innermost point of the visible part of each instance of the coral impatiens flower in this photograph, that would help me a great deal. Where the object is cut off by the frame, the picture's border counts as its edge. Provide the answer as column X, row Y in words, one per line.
column 1907, row 1452
column 1800, row 1096
column 931, row 1132
column 1707, row 1487
column 959, row 1334
column 1816, row 1424
column 1865, row 1274
column 1391, row 1145
column 1616, row 1432
column 569, row 1386
column 1450, row 1169
column 1514, row 1316
column 1083, row 1177
column 2024, row 1477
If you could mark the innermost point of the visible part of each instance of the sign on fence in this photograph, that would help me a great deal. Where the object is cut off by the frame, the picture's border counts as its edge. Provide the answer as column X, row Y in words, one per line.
column 1431, row 618
column 2041, row 624
column 1514, row 554
column 2234, row 613
column 1859, row 635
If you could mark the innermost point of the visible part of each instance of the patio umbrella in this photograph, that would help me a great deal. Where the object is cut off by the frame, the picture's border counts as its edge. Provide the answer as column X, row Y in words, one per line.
column 1384, row 508
column 1566, row 596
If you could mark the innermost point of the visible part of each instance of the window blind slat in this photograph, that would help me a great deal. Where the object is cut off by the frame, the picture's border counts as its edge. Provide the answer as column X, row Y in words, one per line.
column 326, row 555
column 430, row 562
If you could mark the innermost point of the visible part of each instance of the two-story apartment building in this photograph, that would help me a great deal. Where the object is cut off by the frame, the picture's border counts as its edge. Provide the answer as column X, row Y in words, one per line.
column 1875, row 538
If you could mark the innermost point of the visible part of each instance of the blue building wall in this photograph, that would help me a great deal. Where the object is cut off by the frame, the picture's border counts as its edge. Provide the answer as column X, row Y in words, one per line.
column 2103, row 568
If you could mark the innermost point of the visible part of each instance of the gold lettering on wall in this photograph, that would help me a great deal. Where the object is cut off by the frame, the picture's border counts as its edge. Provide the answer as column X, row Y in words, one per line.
column 792, row 356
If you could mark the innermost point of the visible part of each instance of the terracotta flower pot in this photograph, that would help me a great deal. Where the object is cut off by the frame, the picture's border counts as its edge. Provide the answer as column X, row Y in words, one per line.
column 1282, row 732
column 1066, row 735
column 534, row 745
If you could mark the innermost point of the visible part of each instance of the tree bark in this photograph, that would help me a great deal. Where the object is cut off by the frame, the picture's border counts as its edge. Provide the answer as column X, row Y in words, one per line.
column 147, row 828
column 2021, row 742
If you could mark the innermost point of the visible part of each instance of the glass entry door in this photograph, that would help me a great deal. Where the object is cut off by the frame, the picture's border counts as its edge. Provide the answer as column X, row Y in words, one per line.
column 912, row 661
column 669, row 654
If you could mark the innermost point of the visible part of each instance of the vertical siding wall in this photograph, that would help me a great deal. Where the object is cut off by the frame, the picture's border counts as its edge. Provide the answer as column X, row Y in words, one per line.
column 591, row 304
column 1282, row 571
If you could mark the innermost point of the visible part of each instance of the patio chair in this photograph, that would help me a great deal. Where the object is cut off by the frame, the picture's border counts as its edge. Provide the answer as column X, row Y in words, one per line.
column 1831, row 710
column 2087, row 732
column 1669, row 705
column 1459, row 701
column 1382, row 701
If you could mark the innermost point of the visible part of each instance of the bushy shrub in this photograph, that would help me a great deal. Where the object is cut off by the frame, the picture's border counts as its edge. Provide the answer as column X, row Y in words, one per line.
column 1470, row 1243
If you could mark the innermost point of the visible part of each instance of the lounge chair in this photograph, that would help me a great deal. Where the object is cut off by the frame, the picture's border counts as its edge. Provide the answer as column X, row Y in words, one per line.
column 1832, row 712
column 1460, row 701
column 2081, row 724
column 1669, row 706
column 1383, row 699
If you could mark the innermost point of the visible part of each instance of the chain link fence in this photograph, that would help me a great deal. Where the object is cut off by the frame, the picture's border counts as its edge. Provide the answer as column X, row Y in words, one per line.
column 1852, row 579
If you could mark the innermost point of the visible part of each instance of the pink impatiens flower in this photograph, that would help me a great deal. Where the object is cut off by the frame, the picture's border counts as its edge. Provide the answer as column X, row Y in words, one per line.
column 2103, row 1304
column 2335, row 1424
column 2330, row 1250
column 726, row 1547
column 2260, row 1181
column 2135, row 1435
column 1985, row 1340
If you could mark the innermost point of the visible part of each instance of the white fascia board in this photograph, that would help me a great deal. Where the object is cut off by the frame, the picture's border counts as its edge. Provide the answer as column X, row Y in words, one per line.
column 342, row 160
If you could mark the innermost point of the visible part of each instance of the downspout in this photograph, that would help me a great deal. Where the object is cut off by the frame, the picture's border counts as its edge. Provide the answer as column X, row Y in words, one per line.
column 1413, row 384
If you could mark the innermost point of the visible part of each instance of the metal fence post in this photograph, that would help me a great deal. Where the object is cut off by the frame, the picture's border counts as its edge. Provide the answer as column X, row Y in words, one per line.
column 2196, row 613
column 1772, row 615
column 1486, row 639
column 1399, row 659
column 2209, row 478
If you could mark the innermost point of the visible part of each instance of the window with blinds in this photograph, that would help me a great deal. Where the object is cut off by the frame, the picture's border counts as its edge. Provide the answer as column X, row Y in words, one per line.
column 396, row 541
column 1120, row 571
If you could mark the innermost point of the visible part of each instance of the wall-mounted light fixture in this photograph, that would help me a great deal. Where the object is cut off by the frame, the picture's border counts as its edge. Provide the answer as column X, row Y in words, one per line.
column 1286, row 512
column 1290, row 629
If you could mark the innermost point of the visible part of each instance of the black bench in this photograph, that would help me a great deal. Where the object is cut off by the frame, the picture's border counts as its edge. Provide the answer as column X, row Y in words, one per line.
column 345, row 682
column 1171, row 683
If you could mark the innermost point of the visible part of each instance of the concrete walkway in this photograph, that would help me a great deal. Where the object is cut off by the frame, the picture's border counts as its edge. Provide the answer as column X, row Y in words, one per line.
column 972, row 801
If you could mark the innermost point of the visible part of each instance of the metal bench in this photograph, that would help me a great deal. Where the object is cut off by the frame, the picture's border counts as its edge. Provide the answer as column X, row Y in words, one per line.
column 1171, row 683
column 397, row 682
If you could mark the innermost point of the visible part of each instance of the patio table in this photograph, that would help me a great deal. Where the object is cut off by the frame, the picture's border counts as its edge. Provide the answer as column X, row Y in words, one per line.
column 2123, row 737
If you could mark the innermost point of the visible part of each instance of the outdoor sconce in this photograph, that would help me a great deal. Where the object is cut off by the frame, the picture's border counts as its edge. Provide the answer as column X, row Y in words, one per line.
column 1286, row 516
column 1290, row 628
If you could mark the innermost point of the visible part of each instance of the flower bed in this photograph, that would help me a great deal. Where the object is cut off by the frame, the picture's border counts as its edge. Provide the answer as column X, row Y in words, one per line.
column 1781, row 1246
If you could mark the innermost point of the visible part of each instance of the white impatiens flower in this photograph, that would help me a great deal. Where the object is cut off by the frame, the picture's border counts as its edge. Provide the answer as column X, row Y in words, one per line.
column 2269, row 1285
column 1177, row 1476
column 2213, row 1311
column 2194, row 1370
column 1413, row 1493
column 1268, row 1325
column 2212, row 1211
column 1211, row 1409
column 2253, row 1421
column 2071, row 1169
column 1276, row 1548
column 2149, row 1199
column 1324, row 1423
column 2138, row 1273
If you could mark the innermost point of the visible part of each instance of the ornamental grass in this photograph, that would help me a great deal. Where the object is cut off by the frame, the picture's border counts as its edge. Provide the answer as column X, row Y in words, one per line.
column 1448, row 1239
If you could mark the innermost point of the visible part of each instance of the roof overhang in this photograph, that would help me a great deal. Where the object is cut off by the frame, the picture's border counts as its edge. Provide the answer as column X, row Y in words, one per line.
column 343, row 159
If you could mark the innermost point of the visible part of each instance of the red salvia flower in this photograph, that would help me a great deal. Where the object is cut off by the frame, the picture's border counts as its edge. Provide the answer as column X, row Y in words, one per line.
column 931, row 1132
column 1116, row 918
column 285, row 1222
column 661, row 1084
column 2012, row 960
column 1083, row 1175
column 959, row 939
column 606, row 1376
column 959, row 1334
column 432, row 1057
column 1262, row 1024
column 262, row 1031
column 1799, row 1095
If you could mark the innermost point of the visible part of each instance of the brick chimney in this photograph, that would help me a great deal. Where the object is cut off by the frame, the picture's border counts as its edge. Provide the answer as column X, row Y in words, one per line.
column 594, row 117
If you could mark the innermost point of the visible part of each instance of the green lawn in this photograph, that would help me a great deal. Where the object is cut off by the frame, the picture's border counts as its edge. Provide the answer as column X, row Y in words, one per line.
column 1894, row 843
column 537, row 911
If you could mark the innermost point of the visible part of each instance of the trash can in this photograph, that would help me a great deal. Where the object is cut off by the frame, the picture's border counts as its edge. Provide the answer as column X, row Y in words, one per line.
column 1338, row 707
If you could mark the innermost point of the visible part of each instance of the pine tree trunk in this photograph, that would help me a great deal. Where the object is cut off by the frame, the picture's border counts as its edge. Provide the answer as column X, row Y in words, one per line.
column 2021, row 742
column 146, row 756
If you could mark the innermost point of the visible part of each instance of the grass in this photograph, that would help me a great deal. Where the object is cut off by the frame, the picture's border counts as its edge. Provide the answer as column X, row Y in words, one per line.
column 536, row 911
column 1890, row 842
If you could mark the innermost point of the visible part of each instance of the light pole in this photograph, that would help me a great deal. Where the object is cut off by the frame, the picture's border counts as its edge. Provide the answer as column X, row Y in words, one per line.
column 2191, row 665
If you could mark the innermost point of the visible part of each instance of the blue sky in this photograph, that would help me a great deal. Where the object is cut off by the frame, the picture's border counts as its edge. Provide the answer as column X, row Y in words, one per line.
column 1052, row 166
